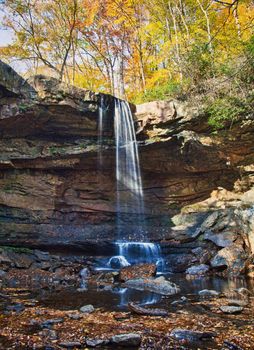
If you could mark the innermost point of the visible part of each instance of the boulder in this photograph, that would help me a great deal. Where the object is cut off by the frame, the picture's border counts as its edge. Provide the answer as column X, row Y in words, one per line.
column 224, row 239
column 177, row 263
column 198, row 269
column 137, row 271
column 233, row 258
column 158, row 285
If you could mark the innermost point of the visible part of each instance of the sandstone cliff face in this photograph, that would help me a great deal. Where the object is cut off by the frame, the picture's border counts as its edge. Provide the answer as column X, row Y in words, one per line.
column 54, row 192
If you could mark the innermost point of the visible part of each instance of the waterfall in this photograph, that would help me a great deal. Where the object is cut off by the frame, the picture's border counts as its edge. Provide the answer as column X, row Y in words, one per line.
column 130, row 200
column 132, row 247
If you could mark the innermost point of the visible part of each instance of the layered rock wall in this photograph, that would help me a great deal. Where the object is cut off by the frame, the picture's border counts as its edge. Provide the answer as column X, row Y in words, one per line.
column 54, row 192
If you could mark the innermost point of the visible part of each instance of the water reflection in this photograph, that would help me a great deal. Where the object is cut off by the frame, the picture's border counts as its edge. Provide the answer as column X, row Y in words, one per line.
column 127, row 295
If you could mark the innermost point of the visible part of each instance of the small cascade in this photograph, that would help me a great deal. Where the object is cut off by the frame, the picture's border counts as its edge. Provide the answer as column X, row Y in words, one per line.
column 137, row 253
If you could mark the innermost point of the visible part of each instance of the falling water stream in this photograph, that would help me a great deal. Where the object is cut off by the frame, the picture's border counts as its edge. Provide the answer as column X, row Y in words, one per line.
column 132, row 247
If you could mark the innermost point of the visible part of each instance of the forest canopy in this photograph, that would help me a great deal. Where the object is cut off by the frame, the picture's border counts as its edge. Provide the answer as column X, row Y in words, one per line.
column 135, row 49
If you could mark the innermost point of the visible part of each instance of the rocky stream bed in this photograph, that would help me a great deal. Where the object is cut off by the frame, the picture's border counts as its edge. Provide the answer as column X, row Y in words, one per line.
column 51, row 301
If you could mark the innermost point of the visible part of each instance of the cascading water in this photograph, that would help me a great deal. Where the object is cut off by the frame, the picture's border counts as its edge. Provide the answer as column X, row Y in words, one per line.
column 130, row 201
column 132, row 247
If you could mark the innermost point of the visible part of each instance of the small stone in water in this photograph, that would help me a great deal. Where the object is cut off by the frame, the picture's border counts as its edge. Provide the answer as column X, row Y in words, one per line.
column 87, row 309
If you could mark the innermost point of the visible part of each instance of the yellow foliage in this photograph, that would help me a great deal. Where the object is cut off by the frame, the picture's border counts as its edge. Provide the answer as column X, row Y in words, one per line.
column 100, row 44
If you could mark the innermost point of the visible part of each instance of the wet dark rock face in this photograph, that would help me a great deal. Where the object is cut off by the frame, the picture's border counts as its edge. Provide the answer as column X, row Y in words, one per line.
column 53, row 192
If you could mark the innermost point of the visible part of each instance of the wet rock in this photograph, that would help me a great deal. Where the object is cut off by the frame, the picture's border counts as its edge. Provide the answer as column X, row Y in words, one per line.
column 137, row 271
column 177, row 263
column 191, row 336
column 108, row 277
column 233, row 258
column 198, row 269
column 117, row 262
column 231, row 309
column 126, row 340
column 87, row 309
column 203, row 255
column 158, row 285
column 208, row 293
column 70, row 344
column 224, row 239
column 96, row 342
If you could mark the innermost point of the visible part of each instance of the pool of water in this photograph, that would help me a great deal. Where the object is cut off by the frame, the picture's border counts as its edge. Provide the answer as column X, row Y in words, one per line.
column 117, row 297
